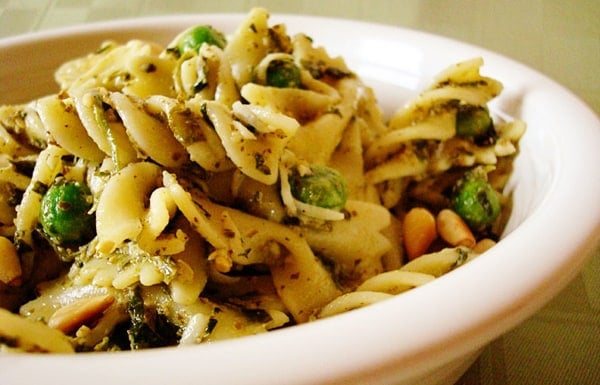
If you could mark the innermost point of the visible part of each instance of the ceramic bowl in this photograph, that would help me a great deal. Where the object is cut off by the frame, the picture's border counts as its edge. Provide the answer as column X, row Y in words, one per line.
column 429, row 335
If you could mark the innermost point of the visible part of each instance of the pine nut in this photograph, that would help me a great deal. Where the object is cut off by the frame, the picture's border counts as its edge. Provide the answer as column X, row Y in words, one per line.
column 453, row 229
column 10, row 265
column 483, row 245
column 77, row 313
column 418, row 231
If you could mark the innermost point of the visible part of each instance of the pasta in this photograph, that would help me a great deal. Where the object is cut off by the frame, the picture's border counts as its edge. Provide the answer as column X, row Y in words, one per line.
column 248, row 184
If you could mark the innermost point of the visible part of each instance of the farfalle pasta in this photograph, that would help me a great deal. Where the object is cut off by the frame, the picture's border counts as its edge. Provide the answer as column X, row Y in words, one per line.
column 235, row 185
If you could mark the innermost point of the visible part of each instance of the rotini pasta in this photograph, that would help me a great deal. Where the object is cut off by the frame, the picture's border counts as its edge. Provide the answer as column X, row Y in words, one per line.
column 235, row 185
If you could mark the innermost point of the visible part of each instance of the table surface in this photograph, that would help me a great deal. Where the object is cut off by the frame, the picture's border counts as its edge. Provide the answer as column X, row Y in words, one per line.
column 561, row 343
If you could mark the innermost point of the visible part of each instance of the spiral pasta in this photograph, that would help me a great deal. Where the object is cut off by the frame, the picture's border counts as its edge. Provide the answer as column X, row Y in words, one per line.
column 229, row 198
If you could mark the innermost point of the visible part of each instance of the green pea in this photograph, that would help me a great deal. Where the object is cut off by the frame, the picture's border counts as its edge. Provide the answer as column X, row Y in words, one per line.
column 64, row 213
column 283, row 74
column 193, row 38
column 476, row 201
column 473, row 121
column 323, row 187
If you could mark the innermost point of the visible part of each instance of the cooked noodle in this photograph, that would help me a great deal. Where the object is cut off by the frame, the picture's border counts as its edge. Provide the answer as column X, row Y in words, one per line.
column 189, row 158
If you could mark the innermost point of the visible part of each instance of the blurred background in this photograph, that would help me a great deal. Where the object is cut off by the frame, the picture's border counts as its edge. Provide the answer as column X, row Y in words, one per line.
column 561, row 343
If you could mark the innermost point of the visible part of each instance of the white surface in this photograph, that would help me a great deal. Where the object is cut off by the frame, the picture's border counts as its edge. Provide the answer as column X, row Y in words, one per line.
column 411, row 335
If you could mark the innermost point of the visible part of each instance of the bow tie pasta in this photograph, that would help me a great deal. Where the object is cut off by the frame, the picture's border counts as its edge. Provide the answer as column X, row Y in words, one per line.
column 228, row 185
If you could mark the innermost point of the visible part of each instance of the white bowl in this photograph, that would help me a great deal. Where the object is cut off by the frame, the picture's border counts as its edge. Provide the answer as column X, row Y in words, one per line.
column 427, row 336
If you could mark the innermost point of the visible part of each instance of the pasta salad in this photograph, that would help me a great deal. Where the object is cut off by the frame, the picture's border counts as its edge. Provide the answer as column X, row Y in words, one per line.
column 228, row 185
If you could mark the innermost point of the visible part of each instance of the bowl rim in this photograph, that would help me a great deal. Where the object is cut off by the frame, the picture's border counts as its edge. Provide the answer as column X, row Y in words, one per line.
column 357, row 352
